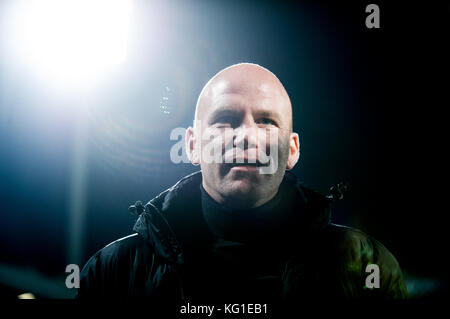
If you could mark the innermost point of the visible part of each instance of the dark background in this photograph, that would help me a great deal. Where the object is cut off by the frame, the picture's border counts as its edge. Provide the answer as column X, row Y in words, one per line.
column 368, row 105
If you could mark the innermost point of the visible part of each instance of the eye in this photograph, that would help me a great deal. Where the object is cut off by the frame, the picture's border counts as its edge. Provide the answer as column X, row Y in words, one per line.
column 225, row 120
column 266, row 121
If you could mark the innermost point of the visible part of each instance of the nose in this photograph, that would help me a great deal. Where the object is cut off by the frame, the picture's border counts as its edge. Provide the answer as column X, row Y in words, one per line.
column 246, row 135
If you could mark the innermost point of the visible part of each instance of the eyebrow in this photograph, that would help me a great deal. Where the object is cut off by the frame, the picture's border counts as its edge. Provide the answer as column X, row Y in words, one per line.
column 230, row 110
column 268, row 113
column 221, row 111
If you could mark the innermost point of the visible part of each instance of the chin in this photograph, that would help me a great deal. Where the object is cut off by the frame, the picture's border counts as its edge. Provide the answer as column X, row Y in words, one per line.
column 240, row 189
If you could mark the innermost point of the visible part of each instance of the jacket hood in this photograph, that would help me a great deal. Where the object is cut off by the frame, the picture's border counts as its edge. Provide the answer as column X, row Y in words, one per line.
column 154, row 225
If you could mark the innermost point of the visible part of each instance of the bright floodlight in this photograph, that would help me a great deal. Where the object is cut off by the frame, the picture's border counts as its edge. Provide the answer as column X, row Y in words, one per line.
column 71, row 41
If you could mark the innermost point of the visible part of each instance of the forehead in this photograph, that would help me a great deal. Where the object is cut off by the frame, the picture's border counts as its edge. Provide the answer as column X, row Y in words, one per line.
column 243, row 96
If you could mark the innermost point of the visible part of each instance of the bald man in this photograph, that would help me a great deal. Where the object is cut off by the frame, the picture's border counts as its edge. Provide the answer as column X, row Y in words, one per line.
column 237, row 231
column 250, row 101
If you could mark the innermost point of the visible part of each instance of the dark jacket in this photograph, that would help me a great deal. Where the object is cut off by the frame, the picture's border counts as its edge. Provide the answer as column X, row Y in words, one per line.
column 320, row 259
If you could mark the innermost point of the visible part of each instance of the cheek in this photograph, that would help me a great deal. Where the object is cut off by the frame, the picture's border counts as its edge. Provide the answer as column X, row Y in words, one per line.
column 211, row 149
column 276, row 140
column 283, row 148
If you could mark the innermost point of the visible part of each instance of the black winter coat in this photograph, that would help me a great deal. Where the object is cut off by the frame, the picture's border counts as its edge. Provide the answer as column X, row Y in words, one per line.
column 319, row 259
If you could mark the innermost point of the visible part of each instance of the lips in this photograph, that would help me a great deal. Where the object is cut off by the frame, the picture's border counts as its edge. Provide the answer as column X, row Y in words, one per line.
column 245, row 158
column 245, row 163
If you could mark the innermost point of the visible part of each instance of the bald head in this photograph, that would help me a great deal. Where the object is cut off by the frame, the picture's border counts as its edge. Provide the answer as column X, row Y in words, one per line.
column 247, row 83
column 243, row 114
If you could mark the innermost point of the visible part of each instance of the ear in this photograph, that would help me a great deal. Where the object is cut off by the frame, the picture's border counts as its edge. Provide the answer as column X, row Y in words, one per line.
column 191, row 146
column 294, row 151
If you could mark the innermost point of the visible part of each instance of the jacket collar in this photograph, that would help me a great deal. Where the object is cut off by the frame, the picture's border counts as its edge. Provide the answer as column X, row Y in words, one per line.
column 159, row 217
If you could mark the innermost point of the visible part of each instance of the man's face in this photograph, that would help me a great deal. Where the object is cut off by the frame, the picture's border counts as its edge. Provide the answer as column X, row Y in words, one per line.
column 244, row 123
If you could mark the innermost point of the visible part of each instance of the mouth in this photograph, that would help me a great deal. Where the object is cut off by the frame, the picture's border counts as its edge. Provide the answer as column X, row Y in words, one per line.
column 246, row 166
